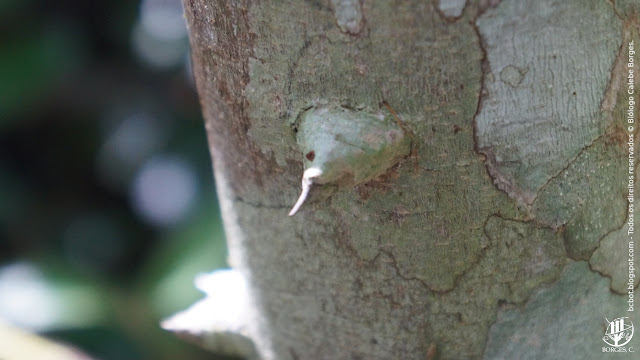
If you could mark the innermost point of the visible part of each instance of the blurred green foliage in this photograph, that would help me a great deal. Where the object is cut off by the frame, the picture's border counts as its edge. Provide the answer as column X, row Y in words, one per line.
column 69, row 77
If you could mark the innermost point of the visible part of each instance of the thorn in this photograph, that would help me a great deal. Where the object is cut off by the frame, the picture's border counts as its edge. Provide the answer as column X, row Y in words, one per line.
column 307, row 177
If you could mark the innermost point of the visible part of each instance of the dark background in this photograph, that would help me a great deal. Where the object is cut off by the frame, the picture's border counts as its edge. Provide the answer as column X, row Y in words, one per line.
column 107, row 200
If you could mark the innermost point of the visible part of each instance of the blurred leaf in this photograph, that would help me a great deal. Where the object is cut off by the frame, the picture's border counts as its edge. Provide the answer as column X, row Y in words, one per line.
column 30, row 65
column 196, row 246
column 21, row 345
column 103, row 342
column 14, row 194
column 10, row 6
column 49, row 299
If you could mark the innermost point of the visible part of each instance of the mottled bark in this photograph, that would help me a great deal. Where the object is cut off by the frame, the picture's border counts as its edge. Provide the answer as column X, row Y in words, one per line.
column 509, row 210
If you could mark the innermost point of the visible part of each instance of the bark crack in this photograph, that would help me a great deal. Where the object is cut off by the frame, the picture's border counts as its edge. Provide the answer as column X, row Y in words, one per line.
column 484, row 67
column 293, row 65
column 617, row 72
column 565, row 168
column 394, row 265
column 615, row 9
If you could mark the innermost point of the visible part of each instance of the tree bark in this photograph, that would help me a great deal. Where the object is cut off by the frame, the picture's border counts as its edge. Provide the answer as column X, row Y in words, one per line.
column 501, row 235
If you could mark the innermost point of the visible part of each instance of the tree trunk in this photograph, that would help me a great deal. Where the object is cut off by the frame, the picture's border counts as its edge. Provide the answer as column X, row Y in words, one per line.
column 500, row 233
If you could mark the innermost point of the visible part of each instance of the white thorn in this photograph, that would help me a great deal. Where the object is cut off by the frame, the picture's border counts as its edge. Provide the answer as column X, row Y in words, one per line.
column 306, row 186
